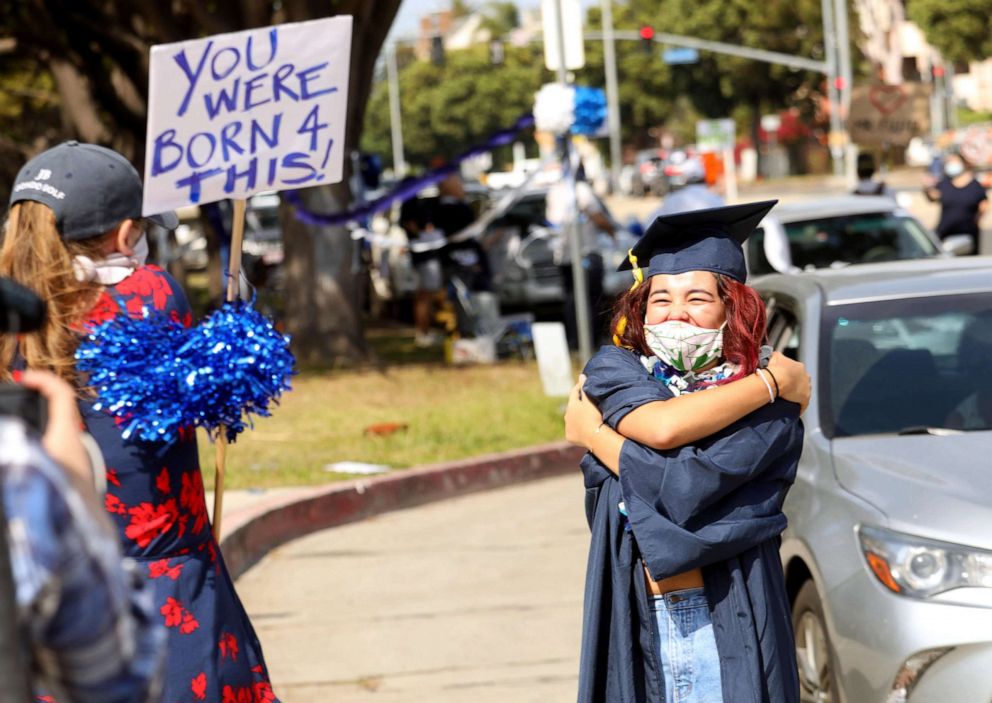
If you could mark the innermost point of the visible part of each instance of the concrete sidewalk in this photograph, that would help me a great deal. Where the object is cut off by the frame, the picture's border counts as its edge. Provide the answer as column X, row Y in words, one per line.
column 474, row 598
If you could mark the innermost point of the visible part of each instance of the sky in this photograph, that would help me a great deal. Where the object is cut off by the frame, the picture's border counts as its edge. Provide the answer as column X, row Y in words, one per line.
column 411, row 10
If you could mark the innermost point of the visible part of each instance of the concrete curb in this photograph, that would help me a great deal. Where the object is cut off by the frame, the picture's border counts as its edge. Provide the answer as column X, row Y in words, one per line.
column 251, row 532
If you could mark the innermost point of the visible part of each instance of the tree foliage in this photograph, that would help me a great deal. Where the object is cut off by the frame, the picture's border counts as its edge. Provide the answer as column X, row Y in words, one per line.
column 719, row 83
column 96, row 54
column 500, row 16
column 646, row 94
column 446, row 109
column 960, row 29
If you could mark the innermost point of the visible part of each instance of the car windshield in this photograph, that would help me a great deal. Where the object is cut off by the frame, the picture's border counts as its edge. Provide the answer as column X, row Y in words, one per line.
column 910, row 365
column 857, row 239
column 850, row 239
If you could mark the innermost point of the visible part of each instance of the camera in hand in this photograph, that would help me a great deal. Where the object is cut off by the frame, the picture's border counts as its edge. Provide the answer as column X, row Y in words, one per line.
column 21, row 311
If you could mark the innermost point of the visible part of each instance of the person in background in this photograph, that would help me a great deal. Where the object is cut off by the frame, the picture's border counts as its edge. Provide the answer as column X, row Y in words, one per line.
column 75, row 235
column 962, row 199
column 694, row 195
column 426, row 264
column 450, row 213
column 592, row 220
column 90, row 630
column 867, row 185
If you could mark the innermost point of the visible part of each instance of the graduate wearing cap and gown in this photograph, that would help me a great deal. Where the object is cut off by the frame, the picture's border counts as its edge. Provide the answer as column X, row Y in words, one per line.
column 707, row 513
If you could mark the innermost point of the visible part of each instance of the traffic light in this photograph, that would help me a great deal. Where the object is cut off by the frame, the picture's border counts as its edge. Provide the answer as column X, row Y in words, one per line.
column 497, row 52
column 647, row 40
column 437, row 50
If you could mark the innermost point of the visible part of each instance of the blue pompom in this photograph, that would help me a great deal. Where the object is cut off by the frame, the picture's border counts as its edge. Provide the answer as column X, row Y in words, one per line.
column 590, row 110
column 157, row 376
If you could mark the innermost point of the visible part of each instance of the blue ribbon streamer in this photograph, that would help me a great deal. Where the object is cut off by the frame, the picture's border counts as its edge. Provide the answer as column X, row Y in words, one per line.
column 407, row 189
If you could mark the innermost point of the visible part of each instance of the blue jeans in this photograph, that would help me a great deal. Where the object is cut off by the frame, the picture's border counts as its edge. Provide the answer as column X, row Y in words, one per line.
column 689, row 657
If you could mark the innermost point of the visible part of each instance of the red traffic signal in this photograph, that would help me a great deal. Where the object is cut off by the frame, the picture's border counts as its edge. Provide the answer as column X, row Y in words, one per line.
column 647, row 33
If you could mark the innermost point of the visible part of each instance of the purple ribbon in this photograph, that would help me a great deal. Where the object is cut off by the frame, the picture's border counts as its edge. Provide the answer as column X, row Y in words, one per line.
column 406, row 189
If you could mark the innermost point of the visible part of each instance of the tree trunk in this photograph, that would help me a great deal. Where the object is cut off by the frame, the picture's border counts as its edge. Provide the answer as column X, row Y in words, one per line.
column 77, row 101
column 323, row 285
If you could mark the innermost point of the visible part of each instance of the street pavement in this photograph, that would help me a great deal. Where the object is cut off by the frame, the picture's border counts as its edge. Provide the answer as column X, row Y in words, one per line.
column 476, row 598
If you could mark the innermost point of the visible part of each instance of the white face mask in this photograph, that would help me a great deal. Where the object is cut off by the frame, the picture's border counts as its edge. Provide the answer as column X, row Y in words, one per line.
column 684, row 347
column 114, row 268
column 954, row 169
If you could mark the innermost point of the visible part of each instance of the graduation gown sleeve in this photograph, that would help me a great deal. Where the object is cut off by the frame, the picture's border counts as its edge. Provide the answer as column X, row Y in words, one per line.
column 727, row 490
column 618, row 383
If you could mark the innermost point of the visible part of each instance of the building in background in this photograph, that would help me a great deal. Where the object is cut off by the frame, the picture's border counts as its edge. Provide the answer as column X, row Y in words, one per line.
column 900, row 53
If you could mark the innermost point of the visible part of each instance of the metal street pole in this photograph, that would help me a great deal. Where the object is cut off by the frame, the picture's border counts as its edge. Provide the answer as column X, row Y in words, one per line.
column 847, row 80
column 830, row 47
column 951, row 103
column 571, row 223
column 612, row 93
column 395, row 126
column 745, row 52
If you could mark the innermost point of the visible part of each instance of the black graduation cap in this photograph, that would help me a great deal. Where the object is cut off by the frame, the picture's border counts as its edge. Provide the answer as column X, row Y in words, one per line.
column 699, row 240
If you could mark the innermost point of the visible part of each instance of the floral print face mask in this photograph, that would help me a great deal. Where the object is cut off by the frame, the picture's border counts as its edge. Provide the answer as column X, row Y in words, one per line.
column 684, row 347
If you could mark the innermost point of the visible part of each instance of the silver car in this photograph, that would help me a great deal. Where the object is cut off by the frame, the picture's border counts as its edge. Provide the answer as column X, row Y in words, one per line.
column 888, row 554
column 839, row 230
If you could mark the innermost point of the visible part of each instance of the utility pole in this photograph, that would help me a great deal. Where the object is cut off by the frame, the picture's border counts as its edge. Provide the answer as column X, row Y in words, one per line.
column 612, row 93
column 847, row 81
column 571, row 223
column 830, row 48
column 395, row 126
column 950, row 101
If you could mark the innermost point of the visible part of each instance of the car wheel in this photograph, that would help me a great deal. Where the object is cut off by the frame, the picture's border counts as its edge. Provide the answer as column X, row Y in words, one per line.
column 817, row 680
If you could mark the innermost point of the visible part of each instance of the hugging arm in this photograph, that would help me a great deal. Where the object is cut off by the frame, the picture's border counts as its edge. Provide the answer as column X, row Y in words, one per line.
column 631, row 403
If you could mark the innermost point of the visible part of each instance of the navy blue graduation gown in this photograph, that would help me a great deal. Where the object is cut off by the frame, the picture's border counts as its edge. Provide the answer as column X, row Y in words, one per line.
column 714, row 505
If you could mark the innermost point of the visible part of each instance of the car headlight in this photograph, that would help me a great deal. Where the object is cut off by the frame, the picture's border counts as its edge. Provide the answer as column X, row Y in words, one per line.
column 921, row 568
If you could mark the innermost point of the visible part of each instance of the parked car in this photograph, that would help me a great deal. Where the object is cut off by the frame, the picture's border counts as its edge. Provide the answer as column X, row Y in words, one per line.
column 262, row 246
column 677, row 166
column 522, row 248
column 842, row 230
column 645, row 176
column 888, row 553
column 515, row 234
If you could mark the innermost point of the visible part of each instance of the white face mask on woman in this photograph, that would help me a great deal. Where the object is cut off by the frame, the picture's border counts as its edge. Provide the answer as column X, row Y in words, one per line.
column 114, row 268
column 954, row 169
column 684, row 347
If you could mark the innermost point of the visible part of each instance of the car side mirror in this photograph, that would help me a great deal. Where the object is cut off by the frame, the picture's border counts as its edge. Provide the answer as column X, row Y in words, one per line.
column 958, row 245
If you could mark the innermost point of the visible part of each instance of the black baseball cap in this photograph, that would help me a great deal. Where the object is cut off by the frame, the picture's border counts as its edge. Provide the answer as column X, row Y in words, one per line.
column 89, row 188
column 699, row 240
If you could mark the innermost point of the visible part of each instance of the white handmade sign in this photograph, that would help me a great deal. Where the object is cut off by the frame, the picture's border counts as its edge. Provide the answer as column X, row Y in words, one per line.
column 234, row 114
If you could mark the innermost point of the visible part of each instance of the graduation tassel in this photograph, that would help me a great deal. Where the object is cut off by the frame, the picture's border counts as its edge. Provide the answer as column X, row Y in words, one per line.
column 638, row 280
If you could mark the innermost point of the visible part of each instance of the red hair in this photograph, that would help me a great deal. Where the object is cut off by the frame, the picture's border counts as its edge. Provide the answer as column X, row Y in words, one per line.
column 742, row 336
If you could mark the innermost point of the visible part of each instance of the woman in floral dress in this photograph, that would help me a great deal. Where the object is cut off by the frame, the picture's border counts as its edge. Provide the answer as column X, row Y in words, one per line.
column 84, row 253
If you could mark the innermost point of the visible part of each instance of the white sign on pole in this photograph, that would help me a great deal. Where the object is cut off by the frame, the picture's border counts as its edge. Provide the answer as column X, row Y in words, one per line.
column 716, row 135
column 553, row 361
column 234, row 114
column 571, row 22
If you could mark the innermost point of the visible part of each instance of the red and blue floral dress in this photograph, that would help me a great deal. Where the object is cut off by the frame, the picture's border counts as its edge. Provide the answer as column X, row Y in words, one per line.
column 155, row 496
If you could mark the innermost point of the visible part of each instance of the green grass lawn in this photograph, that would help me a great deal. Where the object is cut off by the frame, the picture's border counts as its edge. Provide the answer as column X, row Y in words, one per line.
column 450, row 413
